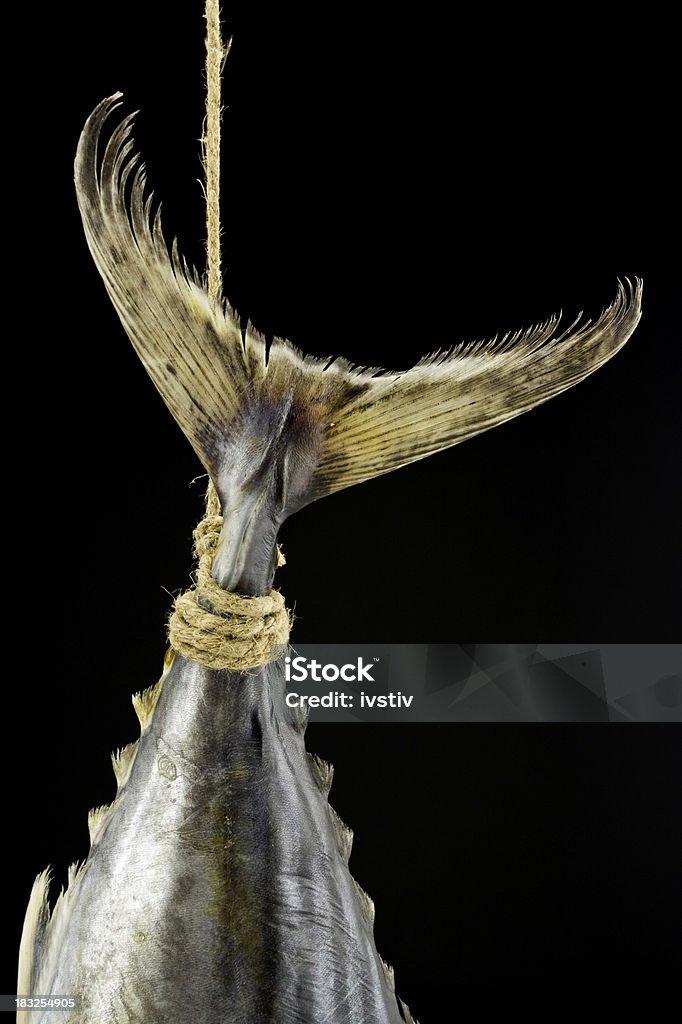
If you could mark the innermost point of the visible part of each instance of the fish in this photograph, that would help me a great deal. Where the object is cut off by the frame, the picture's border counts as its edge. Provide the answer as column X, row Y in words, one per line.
column 217, row 884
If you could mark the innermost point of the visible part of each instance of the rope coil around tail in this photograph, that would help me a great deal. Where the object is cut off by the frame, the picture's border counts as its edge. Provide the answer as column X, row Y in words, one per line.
column 220, row 629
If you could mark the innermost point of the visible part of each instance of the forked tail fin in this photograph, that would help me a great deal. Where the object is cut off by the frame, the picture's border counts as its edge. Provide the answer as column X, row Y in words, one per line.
column 348, row 424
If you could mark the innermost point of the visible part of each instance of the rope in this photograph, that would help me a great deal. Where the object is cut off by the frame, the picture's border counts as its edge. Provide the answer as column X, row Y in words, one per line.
column 209, row 625
column 218, row 628
column 216, row 55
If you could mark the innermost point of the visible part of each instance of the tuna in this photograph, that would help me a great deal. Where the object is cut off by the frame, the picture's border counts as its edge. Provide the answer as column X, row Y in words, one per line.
column 217, row 885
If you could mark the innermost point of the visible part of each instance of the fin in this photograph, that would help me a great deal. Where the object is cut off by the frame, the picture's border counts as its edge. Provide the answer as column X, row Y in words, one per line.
column 145, row 702
column 32, row 937
column 193, row 353
column 43, row 932
column 449, row 397
column 323, row 773
column 73, row 872
column 389, row 974
column 122, row 762
column 98, row 819
column 405, row 1010
column 344, row 834
column 354, row 423
column 367, row 904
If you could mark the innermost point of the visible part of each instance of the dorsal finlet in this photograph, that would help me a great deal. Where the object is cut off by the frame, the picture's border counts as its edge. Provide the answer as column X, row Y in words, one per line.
column 323, row 772
column 344, row 834
column 73, row 872
column 409, row 1019
column 367, row 905
column 145, row 702
column 389, row 974
column 35, row 922
column 98, row 819
column 122, row 761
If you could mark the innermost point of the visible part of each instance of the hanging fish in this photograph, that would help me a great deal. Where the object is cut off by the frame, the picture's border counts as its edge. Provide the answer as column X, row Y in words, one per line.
column 217, row 885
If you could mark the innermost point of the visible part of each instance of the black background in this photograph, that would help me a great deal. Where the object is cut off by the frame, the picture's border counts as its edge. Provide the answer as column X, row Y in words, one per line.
column 392, row 183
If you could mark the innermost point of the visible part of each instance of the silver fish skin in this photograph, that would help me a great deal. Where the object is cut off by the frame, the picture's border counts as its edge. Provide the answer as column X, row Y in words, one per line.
column 219, row 888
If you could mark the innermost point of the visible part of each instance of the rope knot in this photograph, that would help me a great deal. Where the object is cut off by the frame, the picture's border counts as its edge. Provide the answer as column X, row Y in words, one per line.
column 220, row 629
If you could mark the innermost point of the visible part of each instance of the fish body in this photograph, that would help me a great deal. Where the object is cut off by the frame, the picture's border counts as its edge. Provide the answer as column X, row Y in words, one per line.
column 217, row 887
